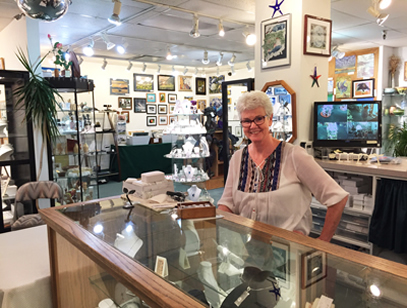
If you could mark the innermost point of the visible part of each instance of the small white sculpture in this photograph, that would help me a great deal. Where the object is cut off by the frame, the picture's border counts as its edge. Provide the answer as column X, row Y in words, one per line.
column 204, row 146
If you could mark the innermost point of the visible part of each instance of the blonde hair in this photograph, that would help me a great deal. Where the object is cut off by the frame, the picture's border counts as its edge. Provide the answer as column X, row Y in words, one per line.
column 252, row 100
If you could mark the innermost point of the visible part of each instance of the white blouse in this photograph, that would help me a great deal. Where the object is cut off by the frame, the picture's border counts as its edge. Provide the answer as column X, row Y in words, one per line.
column 288, row 206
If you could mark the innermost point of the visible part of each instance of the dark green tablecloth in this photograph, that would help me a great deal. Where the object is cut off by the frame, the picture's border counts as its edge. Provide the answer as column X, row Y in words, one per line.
column 137, row 159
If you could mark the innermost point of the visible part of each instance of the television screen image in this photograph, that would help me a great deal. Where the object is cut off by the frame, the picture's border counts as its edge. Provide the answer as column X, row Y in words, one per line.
column 347, row 124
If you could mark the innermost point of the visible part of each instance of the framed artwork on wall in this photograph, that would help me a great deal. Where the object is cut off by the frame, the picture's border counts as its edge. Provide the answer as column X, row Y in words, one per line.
column 143, row 82
column 166, row 83
column 172, row 108
column 184, row 83
column 363, row 88
column 201, row 104
column 125, row 103
column 317, row 36
column 162, row 97
column 200, row 86
column 314, row 268
column 162, row 109
column 343, row 87
column 172, row 119
column 238, row 131
column 127, row 115
column 162, row 120
column 139, row 105
column 150, row 97
column 172, row 98
column 2, row 65
column 151, row 109
column 119, row 86
column 215, row 84
column 151, row 120
column 405, row 71
column 276, row 41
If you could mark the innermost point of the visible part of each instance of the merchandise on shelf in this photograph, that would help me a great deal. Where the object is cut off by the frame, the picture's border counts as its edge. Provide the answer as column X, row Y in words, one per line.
column 151, row 184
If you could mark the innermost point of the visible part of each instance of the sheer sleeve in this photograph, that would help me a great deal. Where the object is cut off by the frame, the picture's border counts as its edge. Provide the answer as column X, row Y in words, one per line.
column 227, row 196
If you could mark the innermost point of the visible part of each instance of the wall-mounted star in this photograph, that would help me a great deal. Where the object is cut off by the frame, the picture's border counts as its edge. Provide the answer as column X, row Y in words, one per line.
column 276, row 8
column 315, row 78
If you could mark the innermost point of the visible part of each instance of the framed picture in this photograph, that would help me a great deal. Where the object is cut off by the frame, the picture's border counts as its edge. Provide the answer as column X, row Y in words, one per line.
column 314, row 268
column 343, row 87
column 281, row 263
column 276, row 41
column 150, row 97
column 162, row 120
column 200, row 86
column 143, row 82
column 172, row 119
column 151, row 109
column 166, row 83
column 363, row 88
column 162, row 97
column 201, row 104
column 317, row 36
column 405, row 71
column 184, row 83
column 152, row 120
column 127, row 115
column 125, row 103
column 119, row 86
column 172, row 98
column 238, row 131
column 215, row 84
column 139, row 105
column 2, row 64
column 162, row 109
column 172, row 108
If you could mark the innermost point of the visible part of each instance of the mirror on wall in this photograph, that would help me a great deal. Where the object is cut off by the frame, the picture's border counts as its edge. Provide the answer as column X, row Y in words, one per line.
column 282, row 98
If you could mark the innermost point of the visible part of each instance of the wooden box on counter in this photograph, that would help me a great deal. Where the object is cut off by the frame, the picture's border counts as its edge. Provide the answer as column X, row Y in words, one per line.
column 198, row 209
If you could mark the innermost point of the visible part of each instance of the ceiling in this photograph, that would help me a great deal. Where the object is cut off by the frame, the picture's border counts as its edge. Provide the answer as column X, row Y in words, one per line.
column 150, row 26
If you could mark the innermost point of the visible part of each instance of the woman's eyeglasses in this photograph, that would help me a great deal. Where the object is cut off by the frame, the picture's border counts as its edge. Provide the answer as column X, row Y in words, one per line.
column 257, row 120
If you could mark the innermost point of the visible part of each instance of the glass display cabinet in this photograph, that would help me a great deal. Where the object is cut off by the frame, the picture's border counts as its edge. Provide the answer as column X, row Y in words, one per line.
column 74, row 155
column 17, row 159
column 283, row 99
column 141, row 258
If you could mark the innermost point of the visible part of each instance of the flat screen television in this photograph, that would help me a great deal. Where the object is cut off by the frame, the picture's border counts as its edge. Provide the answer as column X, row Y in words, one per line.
column 347, row 124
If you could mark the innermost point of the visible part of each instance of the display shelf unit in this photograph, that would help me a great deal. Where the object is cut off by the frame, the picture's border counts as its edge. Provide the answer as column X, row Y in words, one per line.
column 17, row 159
column 393, row 113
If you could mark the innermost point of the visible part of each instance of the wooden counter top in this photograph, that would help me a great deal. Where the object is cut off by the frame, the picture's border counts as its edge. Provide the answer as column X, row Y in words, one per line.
column 366, row 168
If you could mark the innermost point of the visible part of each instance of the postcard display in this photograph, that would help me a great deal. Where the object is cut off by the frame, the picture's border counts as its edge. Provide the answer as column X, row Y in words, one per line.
column 190, row 149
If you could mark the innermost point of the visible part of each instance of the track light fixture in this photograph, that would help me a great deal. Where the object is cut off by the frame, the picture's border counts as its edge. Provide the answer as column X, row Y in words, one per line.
column 249, row 68
column 88, row 50
column 196, row 71
column 185, row 70
column 104, row 64
column 144, row 67
column 129, row 66
column 231, row 62
column 384, row 4
column 80, row 60
column 232, row 68
column 158, row 69
column 205, row 59
column 250, row 37
column 115, row 19
column 174, row 71
column 221, row 30
column 203, row 74
column 169, row 55
column 336, row 53
column 121, row 49
column 217, row 71
column 374, row 11
column 220, row 59
column 195, row 27
column 109, row 44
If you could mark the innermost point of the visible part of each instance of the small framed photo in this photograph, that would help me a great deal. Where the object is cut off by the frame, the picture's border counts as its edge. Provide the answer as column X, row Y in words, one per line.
column 119, row 86
column 162, row 109
column 172, row 108
column 238, row 131
column 151, row 109
column 172, row 119
column 200, row 86
column 139, row 105
column 276, row 41
column 162, row 97
column 201, row 104
column 184, row 83
column 143, row 82
column 363, row 88
column 162, row 120
column 314, row 268
column 126, row 115
column 125, row 103
column 151, row 120
column 172, row 98
column 150, row 97
column 166, row 83
column 317, row 36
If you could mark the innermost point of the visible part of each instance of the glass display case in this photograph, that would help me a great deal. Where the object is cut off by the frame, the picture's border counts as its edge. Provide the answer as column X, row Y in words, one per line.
column 17, row 164
column 155, row 259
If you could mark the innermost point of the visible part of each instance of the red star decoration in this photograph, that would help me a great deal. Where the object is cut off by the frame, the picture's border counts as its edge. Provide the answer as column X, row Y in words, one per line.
column 315, row 77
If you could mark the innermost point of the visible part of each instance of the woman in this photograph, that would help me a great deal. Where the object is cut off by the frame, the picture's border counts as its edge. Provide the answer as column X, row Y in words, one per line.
column 272, row 181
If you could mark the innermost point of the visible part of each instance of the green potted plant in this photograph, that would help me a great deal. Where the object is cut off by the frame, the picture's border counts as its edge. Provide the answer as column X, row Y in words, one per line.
column 398, row 140
column 39, row 100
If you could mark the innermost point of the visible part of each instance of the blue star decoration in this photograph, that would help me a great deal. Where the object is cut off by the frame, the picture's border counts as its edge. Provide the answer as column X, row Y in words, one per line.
column 276, row 8
column 315, row 77
column 276, row 291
